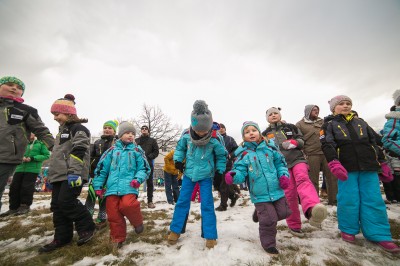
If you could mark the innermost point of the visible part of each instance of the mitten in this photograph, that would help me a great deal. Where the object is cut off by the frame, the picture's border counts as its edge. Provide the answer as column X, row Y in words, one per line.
column 284, row 182
column 229, row 177
column 386, row 175
column 100, row 193
column 289, row 144
column 338, row 170
column 135, row 183
column 179, row 166
column 74, row 180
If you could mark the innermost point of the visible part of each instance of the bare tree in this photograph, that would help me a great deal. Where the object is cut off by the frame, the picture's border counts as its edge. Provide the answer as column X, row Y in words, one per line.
column 160, row 126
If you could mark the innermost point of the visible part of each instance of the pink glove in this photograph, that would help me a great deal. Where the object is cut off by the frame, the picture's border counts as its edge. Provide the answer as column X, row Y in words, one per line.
column 229, row 177
column 338, row 170
column 289, row 144
column 284, row 182
column 386, row 175
column 100, row 193
column 135, row 183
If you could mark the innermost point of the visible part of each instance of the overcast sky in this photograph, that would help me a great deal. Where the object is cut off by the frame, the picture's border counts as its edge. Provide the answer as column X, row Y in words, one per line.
column 241, row 57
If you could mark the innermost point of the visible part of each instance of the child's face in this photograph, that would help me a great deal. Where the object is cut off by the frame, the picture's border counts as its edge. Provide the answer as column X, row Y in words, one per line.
column 128, row 137
column 251, row 134
column 11, row 90
column 201, row 133
column 343, row 108
column 108, row 131
column 274, row 118
column 60, row 118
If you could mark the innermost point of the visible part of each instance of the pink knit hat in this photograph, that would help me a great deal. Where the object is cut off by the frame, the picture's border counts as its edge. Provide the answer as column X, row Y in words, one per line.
column 64, row 105
column 336, row 100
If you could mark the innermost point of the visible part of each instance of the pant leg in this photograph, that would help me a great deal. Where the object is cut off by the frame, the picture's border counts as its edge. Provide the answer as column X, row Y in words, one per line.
column 102, row 216
column 28, row 188
column 63, row 226
column 15, row 191
column 116, row 219
column 195, row 191
column 208, row 218
column 168, row 185
column 267, row 220
column 150, row 185
column 129, row 206
column 388, row 189
column 331, row 182
column 314, row 162
column 224, row 190
column 90, row 199
column 396, row 186
column 348, row 204
column 6, row 170
column 282, row 208
column 175, row 187
column 306, row 190
column 373, row 216
column 291, row 195
column 182, row 207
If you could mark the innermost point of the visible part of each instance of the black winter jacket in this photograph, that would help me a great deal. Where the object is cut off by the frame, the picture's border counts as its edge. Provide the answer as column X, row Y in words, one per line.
column 97, row 150
column 150, row 147
column 230, row 146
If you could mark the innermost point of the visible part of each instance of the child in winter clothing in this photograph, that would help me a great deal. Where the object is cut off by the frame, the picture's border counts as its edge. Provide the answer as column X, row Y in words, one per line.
column 205, row 156
column 266, row 170
column 196, row 191
column 360, row 204
column 171, row 175
column 68, row 169
column 391, row 143
column 99, row 147
column 289, row 139
column 121, row 170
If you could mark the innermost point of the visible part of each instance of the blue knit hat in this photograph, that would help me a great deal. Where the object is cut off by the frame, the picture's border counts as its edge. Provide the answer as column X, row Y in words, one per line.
column 250, row 123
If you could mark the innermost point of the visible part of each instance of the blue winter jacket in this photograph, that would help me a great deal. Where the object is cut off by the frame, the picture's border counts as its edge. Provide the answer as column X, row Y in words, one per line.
column 263, row 165
column 391, row 133
column 118, row 166
column 201, row 161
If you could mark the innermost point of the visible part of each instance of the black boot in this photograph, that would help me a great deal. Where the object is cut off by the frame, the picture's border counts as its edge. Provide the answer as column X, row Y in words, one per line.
column 53, row 245
column 220, row 208
column 84, row 237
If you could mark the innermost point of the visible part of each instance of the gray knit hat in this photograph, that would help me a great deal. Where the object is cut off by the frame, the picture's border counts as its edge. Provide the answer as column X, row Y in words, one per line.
column 273, row 110
column 125, row 127
column 336, row 100
column 250, row 123
column 396, row 97
column 201, row 118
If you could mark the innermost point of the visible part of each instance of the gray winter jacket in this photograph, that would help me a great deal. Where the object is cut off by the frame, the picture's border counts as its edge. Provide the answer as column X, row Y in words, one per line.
column 17, row 121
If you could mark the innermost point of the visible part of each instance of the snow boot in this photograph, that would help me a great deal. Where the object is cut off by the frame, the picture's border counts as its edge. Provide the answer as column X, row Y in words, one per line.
column 211, row 243
column 318, row 214
column 173, row 238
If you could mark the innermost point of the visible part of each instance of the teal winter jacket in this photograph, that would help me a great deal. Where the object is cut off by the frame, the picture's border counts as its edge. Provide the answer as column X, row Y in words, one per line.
column 391, row 133
column 263, row 165
column 201, row 161
column 118, row 166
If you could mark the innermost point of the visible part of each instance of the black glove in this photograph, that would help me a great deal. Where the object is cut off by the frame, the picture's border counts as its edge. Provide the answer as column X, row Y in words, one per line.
column 218, row 176
column 179, row 166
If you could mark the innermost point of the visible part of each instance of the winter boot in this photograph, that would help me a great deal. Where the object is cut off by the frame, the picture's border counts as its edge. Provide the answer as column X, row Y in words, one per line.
column 8, row 213
column 23, row 209
column 233, row 201
column 220, row 208
column 318, row 214
column 348, row 237
column 255, row 216
column 100, row 224
column 210, row 243
column 297, row 232
column 173, row 238
column 389, row 246
column 84, row 237
column 139, row 229
column 151, row 205
column 53, row 245
column 272, row 251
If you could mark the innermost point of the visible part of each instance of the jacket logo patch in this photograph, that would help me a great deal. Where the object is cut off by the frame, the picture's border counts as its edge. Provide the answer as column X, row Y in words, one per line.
column 64, row 136
column 270, row 136
column 19, row 117
column 289, row 133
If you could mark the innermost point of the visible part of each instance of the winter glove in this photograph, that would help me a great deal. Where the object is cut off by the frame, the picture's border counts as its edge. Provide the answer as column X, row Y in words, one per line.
column 100, row 193
column 179, row 166
column 338, row 170
column 284, row 182
column 289, row 144
column 135, row 183
column 386, row 175
column 74, row 180
column 229, row 177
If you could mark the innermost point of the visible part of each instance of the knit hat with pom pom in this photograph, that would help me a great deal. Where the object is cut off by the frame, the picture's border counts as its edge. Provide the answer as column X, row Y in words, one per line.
column 201, row 117
column 396, row 97
column 64, row 105
column 111, row 123
column 273, row 110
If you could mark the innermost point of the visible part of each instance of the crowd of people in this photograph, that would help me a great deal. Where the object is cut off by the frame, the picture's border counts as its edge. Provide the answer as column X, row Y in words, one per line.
column 280, row 166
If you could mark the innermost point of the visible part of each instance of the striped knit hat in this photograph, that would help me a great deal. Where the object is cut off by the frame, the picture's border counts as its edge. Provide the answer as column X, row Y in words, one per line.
column 9, row 79
column 111, row 123
column 64, row 105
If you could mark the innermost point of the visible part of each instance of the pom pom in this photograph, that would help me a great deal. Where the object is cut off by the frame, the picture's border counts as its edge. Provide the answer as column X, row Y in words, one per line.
column 200, row 107
column 396, row 97
column 70, row 97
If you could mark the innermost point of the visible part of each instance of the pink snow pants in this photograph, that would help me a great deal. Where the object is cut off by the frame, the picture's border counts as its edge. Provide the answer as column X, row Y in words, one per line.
column 300, row 185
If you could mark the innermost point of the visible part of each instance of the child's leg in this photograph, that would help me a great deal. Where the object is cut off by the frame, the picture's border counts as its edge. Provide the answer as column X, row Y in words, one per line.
column 293, row 220
column 102, row 216
column 168, row 184
column 182, row 207
column 28, row 188
column 199, row 193
column 130, row 207
column 268, row 219
column 90, row 199
column 194, row 193
column 15, row 191
column 115, row 219
column 331, row 183
column 348, row 206
column 175, row 187
column 208, row 218
column 63, row 227
column 396, row 185
column 282, row 208
column 373, row 217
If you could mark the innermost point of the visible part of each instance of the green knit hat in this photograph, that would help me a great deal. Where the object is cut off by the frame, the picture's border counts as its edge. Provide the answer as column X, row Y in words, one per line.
column 111, row 123
column 9, row 79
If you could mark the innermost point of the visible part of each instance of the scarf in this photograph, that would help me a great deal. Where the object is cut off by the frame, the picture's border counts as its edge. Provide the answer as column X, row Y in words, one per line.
column 197, row 140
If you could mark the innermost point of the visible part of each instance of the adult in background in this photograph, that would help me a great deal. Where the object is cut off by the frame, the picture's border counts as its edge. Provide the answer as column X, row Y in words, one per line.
column 23, row 184
column 310, row 127
column 150, row 147
column 16, row 123
column 171, row 178
column 227, row 191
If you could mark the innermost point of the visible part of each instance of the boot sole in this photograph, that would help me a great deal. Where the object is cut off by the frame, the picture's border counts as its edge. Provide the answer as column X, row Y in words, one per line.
column 318, row 214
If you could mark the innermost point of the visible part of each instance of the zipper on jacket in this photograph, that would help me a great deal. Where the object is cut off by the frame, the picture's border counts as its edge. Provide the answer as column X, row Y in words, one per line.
column 100, row 148
column 344, row 133
column 361, row 132
column 376, row 155
column 14, row 145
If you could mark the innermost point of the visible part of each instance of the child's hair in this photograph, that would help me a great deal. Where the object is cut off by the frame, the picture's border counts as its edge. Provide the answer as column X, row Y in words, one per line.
column 75, row 119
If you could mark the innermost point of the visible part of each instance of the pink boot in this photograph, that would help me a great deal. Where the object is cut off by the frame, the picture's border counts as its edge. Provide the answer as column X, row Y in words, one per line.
column 389, row 246
column 348, row 238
